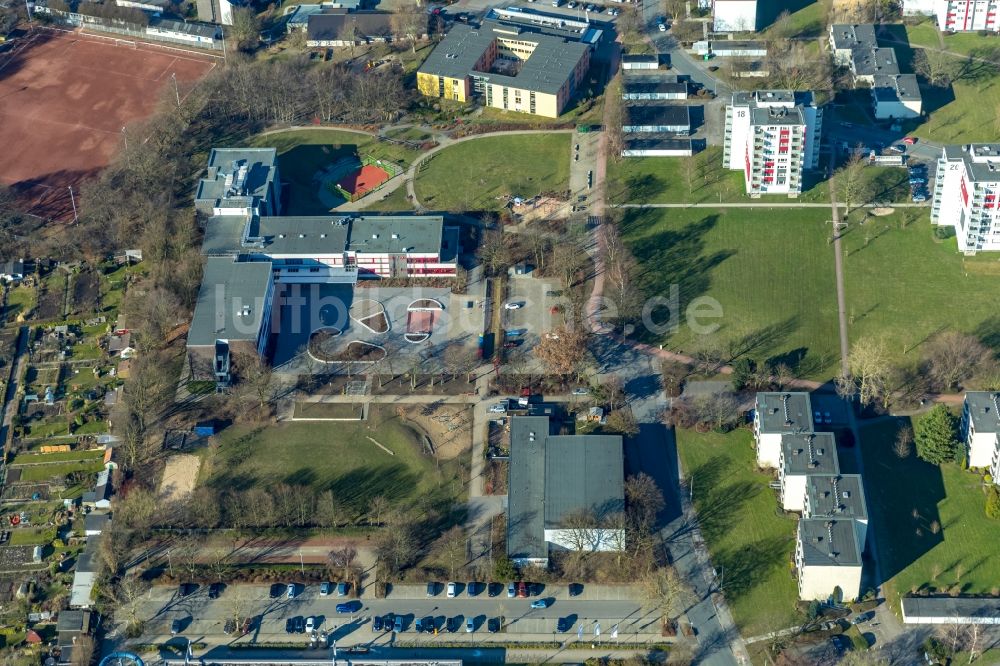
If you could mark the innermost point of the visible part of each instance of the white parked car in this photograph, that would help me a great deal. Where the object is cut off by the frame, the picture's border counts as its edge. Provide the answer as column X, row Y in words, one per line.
column 662, row 27
column 452, row 589
column 513, row 305
column 310, row 624
column 581, row 391
column 498, row 408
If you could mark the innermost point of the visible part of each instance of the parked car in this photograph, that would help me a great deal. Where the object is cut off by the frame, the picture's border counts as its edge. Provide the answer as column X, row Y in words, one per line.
column 909, row 140
column 419, row 625
column 397, row 624
column 377, row 623
column 454, row 623
column 175, row 627
column 522, row 590
column 215, row 590
column 324, row 588
column 342, row 588
column 277, row 589
column 300, row 624
column 346, row 607
column 581, row 391
column 540, row 603
column 493, row 625
column 470, row 625
column 452, row 590
column 498, row 408
column 310, row 624
column 563, row 625
column 472, row 588
column 290, row 591
column 513, row 306
column 575, row 589
column 494, row 589
column 511, row 590
column 432, row 587
column 898, row 148
column 186, row 589
column 662, row 27
column 289, row 625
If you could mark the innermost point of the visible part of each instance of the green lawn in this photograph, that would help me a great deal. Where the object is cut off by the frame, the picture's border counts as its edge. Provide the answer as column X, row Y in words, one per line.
column 890, row 291
column 58, row 470
column 57, row 456
column 20, row 300
column 473, row 174
column 702, row 179
column 302, row 153
column 324, row 410
column 771, row 270
column 905, row 498
column 744, row 528
column 337, row 457
column 925, row 34
column 396, row 201
column 32, row 536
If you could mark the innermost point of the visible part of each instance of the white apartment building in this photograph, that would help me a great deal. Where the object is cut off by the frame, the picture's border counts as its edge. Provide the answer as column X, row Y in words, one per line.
column 967, row 195
column 960, row 15
column 980, row 430
column 804, row 455
column 776, row 415
column 896, row 96
column 734, row 16
column 828, row 560
column 772, row 136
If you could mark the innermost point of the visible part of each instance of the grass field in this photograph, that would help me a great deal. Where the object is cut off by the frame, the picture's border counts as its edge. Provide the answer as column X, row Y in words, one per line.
column 888, row 293
column 57, row 470
column 396, row 201
column 771, row 270
column 730, row 493
column 925, row 35
column 472, row 175
column 333, row 410
column 905, row 498
column 58, row 456
column 337, row 457
column 701, row 179
column 301, row 153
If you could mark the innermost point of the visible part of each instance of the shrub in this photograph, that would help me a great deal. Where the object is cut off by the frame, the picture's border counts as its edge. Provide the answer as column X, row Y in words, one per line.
column 993, row 503
column 936, row 436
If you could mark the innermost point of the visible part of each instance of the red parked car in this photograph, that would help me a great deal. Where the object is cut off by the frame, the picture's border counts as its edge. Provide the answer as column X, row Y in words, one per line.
column 522, row 590
column 909, row 140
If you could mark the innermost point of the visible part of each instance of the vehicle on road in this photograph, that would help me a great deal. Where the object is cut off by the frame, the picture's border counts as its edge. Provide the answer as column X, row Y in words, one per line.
column 540, row 603
column 186, row 589
column 514, row 305
column 175, row 627
column 897, row 148
column 493, row 625
column 290, row 591
column 563, row 625
column 342, row 588
column 511, row 590
column 324, row 588
column 470, row 625
column 571, row 4
column 377, row 623
column 452, row 590
column 310, row 624
column 215, row 590
column 522, row 590
column 909, row 140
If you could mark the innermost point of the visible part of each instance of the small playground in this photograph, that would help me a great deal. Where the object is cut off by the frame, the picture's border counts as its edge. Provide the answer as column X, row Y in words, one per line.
column 325, row 168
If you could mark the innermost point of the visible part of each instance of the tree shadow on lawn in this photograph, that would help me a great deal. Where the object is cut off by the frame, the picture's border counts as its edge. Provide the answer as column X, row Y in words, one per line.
column 903, row 497
column 988, row 333
column 751, row 564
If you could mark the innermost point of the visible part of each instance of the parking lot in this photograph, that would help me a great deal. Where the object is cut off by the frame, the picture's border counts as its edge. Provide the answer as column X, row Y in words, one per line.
column 533, row 317
column 276, row 617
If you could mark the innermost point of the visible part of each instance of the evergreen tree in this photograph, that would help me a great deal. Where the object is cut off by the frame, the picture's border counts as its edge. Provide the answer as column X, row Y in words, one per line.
column 936, row 436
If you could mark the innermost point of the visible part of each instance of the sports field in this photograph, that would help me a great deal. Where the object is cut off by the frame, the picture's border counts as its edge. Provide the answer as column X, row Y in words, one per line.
column 364, row 180
column 66, row 98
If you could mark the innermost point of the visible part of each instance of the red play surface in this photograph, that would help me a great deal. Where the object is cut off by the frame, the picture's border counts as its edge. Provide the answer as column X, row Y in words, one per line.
column 64, row 98
column 419, row 321
column 364, row 180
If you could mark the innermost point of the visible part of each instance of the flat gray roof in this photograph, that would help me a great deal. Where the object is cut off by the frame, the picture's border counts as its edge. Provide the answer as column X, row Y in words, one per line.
column 641, row 58
column 658, row 114
column 550, row 476
column 260, row 164
column 205, row 30
column 903, row 87
column 784, row 412
column 846, row 36
column 809, row 453
column 836, row 496
column 663, row 144
column 983, row 408
column 227, row 286
column 979, row 610
column 653, row 84
column 869, row 62
column 323, row 234
column 982, row 160
column 548, row 67
column 829, row 542
column 781, row 115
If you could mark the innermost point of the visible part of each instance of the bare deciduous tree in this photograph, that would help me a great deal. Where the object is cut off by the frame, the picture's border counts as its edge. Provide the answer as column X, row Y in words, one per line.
column 904, row 442
column 953, row 357
column 870, row 368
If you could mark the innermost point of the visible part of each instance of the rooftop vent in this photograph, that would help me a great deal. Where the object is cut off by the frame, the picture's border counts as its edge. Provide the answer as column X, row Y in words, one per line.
column 302, row 235
column 395, row 236
column 374, row 236
column 281, row 235
column 322, row 235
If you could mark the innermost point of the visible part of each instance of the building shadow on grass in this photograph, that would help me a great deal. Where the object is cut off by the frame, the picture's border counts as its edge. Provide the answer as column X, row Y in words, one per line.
column 902, row 495
column 654, row 452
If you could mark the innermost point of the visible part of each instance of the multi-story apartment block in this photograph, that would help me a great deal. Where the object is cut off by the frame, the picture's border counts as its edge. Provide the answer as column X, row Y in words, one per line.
column 958, row 15
column 840, row 497
column 772, row 136
column 804, row 455
column 828, row 559
column 895, row 94
column 981, row 431
column 967, row 195
column 776, row 415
